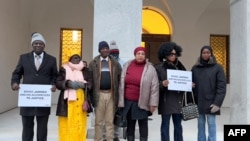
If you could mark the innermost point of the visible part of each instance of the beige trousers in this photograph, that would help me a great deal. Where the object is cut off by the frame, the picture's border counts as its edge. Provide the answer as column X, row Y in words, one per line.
column 104, row 114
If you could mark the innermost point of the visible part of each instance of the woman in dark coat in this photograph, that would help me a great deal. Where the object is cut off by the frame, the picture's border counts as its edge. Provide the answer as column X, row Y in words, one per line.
column 72, row 80
column 209, row 91
column 170, row 101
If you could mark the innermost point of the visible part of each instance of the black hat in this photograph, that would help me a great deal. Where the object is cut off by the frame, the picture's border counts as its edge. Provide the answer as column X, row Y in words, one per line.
column 103, row 44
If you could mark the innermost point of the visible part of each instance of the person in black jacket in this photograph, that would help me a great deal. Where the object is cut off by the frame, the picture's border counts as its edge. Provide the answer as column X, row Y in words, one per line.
column 209, row 91
column 170, row 102
column 30, row 72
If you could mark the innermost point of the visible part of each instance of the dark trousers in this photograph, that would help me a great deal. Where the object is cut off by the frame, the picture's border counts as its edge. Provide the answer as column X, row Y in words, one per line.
column 143, row 126
column 28, row 128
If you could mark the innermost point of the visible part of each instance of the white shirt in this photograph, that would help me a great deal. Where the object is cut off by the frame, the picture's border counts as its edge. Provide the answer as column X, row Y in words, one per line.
column 107, row 58
column 41, row 57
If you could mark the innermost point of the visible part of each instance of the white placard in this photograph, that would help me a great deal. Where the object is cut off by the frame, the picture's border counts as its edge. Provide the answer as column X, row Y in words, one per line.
column 34, row 95
column 179, row 80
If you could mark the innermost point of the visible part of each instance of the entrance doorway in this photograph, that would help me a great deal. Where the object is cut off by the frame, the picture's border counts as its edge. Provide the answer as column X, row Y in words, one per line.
column 152, row 43
column 156, row 29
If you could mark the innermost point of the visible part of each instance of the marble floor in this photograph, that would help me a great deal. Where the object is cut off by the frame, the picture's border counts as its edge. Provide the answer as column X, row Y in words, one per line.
column 11, row 127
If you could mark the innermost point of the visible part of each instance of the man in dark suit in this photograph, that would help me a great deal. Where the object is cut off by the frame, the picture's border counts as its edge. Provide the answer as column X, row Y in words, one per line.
column 36, row 67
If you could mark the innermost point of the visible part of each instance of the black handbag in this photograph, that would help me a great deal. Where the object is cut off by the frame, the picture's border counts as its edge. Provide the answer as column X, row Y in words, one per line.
column 119, row 119
column 189, row 110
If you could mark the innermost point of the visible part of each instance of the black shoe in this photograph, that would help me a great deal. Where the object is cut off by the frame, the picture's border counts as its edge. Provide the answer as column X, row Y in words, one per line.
column 104, row 140
column 116, row 139
column 131, row 138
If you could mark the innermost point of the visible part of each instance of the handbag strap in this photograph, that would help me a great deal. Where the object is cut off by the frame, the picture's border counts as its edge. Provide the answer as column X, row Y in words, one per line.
column 86, row 92
column 184, row 99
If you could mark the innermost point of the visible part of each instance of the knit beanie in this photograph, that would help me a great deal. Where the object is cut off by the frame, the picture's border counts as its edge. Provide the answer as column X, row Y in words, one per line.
column 37, row 37
column 102, row 45
column 139, row 49
column 113, row 47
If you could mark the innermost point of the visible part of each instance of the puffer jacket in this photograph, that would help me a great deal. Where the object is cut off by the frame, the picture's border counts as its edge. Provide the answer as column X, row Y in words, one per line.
column 210, row 85
column 149, row 87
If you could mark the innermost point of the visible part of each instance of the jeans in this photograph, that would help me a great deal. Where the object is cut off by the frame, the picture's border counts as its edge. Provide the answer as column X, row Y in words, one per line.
column 177, row 119
column 211, row 121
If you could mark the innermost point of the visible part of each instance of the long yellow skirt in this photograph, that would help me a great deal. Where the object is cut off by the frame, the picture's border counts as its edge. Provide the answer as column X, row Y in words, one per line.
column 74, row 127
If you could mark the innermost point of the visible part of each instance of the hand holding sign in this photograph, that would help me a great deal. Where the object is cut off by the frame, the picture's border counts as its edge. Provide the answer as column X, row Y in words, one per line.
column 165, row 83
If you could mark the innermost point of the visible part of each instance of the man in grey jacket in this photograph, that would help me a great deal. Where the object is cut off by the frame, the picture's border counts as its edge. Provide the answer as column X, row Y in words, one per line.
column 106, row 72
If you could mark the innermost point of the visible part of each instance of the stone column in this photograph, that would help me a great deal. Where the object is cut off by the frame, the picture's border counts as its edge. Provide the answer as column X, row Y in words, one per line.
column 240, row 61
column 118, row 20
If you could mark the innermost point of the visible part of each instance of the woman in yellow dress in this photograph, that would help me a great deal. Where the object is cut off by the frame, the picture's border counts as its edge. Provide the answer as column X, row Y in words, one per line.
column 72, row 119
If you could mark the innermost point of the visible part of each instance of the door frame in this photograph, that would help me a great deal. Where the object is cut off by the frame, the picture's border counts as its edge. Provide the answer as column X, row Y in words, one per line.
column 150, row 40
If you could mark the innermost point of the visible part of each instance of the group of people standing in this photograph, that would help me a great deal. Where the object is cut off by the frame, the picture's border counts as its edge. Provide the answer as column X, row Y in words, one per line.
column 136, row 86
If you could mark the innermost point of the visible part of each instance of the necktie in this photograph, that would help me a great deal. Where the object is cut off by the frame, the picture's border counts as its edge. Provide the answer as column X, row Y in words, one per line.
column 37, row 62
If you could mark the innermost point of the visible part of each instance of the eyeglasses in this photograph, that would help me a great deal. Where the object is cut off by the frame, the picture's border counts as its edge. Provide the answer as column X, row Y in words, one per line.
column 173, row 54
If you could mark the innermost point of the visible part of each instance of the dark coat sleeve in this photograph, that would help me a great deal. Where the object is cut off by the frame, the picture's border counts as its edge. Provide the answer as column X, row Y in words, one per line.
column 162, row 75
column 221, row 86
column 60, row 80
column 62, row 104
column 88, row 77
column 18, row 72
column 54, row 71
